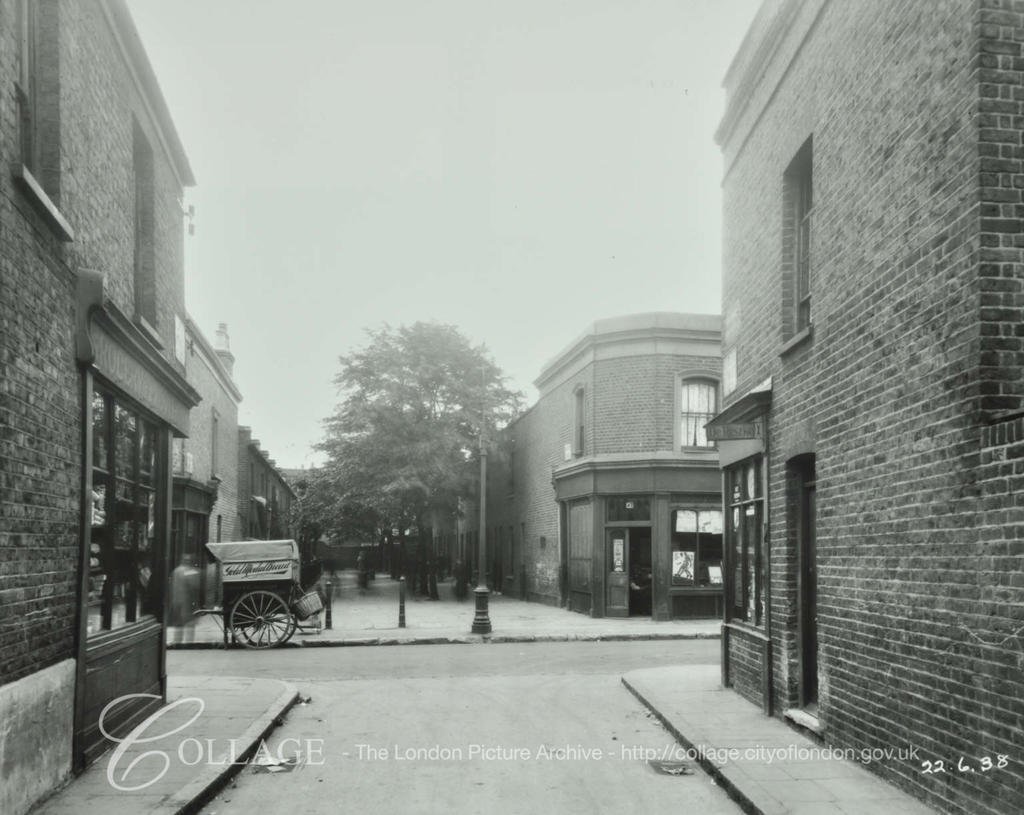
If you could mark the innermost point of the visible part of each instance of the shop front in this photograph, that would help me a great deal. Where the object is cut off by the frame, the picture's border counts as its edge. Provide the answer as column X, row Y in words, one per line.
column 741, row 434
column 133, row 403
column 642, row 538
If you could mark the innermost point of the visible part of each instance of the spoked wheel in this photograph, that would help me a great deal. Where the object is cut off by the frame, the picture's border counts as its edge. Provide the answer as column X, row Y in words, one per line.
column 261, row 619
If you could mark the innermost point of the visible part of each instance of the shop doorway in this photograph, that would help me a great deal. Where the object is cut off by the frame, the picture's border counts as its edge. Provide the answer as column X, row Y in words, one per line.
column 641, row 575
column 630, row 576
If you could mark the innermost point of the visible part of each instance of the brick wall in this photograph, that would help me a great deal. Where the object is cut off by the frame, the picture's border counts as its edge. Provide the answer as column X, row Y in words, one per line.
column 745, row 666
column 205, row 375
column 635, row 401
column 39, row 421
column 86, row 108
column 88, row 102
column 1000, row 28
column 100, row 103
column 916, row 159
column 40, row 435
column 539, row 437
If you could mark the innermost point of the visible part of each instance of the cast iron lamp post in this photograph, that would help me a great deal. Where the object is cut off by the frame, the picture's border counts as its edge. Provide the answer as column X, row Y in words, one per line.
column 482, row 622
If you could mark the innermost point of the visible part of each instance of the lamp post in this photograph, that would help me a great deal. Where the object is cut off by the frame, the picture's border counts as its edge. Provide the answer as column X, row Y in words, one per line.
column 481, row 621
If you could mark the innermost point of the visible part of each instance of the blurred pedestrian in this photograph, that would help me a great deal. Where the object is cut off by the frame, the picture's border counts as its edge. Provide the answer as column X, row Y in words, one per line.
column 184, row 599
column 461, row 581
column 361, row 571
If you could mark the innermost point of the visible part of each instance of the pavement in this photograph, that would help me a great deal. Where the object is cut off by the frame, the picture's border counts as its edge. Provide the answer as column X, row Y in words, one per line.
column 370, row 617
column 201, row 745
column 767, row 767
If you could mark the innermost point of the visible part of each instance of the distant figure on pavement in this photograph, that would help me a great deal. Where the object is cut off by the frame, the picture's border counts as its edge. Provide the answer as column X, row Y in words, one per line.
column 461, row 581
column 361, row 571
column 184, row 599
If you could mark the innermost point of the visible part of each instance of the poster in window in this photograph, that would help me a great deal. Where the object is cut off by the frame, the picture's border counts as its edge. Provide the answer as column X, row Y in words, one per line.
column 711, row 522
column 682, row 567
column 618, row 558
column 686, row 520
column 715, row 575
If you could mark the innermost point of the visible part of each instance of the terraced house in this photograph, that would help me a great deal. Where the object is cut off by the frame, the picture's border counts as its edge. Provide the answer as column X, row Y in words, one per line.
column 872, row 431
column 92, row 382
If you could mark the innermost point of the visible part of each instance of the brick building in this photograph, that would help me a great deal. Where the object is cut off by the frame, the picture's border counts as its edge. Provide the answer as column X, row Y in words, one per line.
column 872, row 423
column 265, row 497
column 608, row 479
column 92, row 384
column 205, row 465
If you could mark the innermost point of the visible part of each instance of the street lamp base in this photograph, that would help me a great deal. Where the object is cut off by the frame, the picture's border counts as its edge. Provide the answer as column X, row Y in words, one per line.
column 481, row 622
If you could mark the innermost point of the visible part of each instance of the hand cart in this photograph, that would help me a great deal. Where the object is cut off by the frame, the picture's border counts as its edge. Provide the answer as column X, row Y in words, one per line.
column 264, row 600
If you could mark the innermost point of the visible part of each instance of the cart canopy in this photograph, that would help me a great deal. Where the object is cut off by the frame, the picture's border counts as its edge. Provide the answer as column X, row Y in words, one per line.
column 251, row 561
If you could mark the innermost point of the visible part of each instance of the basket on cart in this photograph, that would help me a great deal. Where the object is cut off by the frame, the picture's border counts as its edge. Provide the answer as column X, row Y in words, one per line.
column 308, row 605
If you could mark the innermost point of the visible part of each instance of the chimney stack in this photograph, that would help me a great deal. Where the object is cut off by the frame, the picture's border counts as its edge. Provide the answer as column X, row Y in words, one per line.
column 222, row 345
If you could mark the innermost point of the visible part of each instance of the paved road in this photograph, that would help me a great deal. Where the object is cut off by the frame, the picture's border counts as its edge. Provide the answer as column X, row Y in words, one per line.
column 516, row 728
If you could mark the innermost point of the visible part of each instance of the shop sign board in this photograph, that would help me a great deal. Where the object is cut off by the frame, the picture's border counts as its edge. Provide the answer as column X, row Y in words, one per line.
column 738, row 430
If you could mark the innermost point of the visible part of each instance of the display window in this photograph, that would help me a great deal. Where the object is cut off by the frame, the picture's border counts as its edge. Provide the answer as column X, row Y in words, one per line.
column 697, row 547
column 123, row 529
column 744, row 521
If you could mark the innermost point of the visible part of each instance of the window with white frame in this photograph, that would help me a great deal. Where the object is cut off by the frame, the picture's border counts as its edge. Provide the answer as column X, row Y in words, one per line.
column 698, row 405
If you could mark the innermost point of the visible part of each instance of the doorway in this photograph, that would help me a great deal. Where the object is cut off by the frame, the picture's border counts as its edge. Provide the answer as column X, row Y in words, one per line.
column 807, row 585
column 641, row 575
column 629, row 580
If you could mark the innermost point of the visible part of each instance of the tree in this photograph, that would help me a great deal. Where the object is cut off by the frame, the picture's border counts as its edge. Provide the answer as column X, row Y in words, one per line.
column 401, row 444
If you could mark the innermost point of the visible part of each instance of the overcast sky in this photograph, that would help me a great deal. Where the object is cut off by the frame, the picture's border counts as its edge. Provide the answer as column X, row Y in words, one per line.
column 518, row 169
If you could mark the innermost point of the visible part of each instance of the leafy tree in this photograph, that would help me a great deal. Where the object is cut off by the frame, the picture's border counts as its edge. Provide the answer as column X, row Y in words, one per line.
column 401, row 444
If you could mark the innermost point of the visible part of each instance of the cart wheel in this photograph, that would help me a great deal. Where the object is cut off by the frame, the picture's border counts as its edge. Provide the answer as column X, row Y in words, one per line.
column 261, row 619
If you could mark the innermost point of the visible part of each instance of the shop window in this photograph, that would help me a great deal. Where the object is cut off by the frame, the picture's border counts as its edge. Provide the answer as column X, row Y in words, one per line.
column 123, row 529
column 628, row 508
column 743, row 539
column 798, row 203
column 698, row 406
column 697, row 548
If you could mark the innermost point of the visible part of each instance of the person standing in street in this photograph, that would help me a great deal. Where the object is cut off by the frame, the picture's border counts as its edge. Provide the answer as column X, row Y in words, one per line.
column 184, row 599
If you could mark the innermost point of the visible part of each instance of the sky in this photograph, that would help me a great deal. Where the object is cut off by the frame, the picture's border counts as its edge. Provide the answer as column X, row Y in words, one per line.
column 518, row 169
